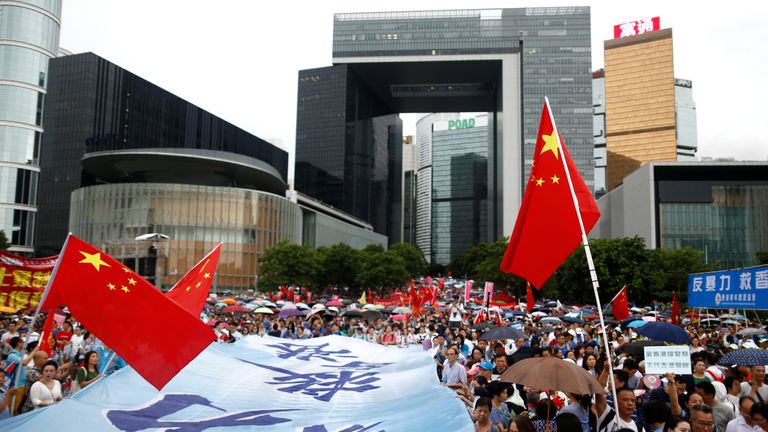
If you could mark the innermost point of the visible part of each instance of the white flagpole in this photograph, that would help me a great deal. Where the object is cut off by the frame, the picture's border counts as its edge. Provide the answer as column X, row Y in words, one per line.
column 585, row 242
column 50, row 281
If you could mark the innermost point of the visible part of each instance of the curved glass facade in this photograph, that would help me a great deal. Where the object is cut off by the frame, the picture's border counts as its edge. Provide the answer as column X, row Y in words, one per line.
column 29, row 37
column 196, row 218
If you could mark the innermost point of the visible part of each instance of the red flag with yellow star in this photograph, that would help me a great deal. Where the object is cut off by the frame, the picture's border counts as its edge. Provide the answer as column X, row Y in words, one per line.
column 191, row 291
column 148, row 330
column 547, row 228
column 620, row 305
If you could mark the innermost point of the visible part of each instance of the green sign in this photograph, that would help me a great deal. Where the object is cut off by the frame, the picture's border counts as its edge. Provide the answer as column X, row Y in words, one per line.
column 461, row 123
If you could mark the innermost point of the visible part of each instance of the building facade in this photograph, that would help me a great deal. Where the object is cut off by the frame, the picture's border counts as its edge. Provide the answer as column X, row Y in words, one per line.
column 459, row 186
column 410, row 159
column 649, row 115
column 29, row 38
column 718, row 208
column 500, row 61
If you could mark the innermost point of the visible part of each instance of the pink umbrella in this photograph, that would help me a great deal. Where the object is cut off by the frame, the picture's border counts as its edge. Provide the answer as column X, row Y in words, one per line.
column 236, row 309
column 336, row 303
column 399, row 317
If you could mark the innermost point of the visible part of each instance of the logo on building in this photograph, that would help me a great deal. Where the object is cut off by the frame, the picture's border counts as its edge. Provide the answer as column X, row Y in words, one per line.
column 634, row 28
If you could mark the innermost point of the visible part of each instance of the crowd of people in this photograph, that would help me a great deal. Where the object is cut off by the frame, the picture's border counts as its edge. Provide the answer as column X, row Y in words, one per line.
column 711, row 397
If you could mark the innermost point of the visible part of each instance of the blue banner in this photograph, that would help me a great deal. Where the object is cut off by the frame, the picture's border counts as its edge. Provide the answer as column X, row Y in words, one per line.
column 745, row 288
column 329, row 384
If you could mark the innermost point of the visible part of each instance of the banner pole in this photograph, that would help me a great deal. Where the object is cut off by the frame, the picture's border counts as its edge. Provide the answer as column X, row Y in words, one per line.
column 587, row 252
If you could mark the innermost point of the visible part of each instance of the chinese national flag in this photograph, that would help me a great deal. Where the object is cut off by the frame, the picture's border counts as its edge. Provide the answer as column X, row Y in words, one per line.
column 191, row 290
column 547, row 228
column 530, row 301
column 675, row 309
column 620, row 305
column 148, row 330
column 47, row 343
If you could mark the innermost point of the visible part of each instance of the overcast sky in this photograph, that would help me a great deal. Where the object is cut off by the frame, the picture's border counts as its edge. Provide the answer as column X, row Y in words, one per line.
column 239, row 59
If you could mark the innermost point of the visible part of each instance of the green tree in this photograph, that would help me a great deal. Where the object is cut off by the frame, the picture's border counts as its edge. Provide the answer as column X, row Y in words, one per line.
column 338, row 265
column 467, row 264
column 381, row 269
column 415, row 264
column 762, row 257
column 489, row 269
column 4, row 243
column 669, row 270
column 288, row 263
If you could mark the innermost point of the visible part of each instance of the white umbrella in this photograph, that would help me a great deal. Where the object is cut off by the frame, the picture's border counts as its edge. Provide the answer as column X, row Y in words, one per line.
column 152, row 236
column 402, row 310
column 539, row 314
column 268, row 303
column 302, row 306
column 288, row 305
column 317, row 308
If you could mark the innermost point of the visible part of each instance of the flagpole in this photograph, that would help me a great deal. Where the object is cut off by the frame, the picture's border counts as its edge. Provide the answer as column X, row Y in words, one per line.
column 585, row 242
column 50, row 280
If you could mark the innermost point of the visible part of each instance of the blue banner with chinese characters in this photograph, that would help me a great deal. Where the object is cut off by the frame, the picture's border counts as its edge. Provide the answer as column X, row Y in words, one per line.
column 328, row 384
column 745, row 288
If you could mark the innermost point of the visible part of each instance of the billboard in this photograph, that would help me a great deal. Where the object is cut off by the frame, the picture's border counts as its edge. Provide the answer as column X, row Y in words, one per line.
column 745, row 288
column 634, row 28
column 22, row 279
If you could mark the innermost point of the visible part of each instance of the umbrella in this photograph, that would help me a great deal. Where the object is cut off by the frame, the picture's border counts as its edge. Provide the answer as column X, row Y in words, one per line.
column 236, row 309
column 229, row 301
column 635, row 324
column 524, row 353
column 333, row 309
column 268, row 303
column 263, row 310
column 751, row 332
column 571, row 319
column 610, row 321
column 401, row 310
column 731, row 322
column 399, row 317
column 302, row 306
column 552, row 373
column 353, row 313
column 319, row 307
column 152, row 236
column 550, row 320
column 483, row 326
column 370, row 306
column 745, row 357
column 499, row 333
column 372, row 315
column 626, row 321
column 665, row 332
column 709, row 322
column 338, row 303
column 638, row 348
column 290, row 312
column 288, row 305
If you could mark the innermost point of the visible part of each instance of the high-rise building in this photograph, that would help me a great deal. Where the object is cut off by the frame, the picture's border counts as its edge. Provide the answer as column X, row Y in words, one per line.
column 500, row 61
column 424, row 180
column 29, row 37
column 598, row 102
column 648, row 116
column 410, row 157
column 459, row 186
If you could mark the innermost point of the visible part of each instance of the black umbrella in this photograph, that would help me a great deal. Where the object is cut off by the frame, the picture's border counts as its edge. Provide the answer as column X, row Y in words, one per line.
column 637, row 348
column 524, row 353
column 372, row 315
column 483, row 326
column 353, row 313
column 610, row 321
column 745, row 357
column 626, row 321
column 499, row 333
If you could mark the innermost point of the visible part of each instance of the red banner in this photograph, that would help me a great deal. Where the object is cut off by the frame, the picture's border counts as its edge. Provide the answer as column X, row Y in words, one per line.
column 22, row 279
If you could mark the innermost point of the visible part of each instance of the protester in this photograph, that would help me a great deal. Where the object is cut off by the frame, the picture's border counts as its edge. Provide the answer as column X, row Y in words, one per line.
column 47, row 390
column 90, row 370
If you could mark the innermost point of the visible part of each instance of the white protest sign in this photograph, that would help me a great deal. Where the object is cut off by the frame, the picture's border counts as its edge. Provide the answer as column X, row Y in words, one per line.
column 664, row 359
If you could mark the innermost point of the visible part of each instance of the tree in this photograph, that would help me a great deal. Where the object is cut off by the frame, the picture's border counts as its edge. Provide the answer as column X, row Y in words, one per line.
column 669, row 269
column 381, row 268
column 338, row 265
column 4, row 243
column 415, row 264
column 762, row 257
column 287, row 263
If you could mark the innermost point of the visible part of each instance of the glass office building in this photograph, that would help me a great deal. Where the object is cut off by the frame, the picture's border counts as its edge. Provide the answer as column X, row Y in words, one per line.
column 500, row 61
column 718, row 208
column 459, row 187
column 195, row 217
column 29, row 37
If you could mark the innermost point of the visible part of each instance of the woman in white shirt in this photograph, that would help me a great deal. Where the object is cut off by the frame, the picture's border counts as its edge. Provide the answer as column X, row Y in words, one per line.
column 46, row 391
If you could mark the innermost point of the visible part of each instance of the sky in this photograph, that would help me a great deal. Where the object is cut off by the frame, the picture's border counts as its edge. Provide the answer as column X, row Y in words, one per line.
column 239, row 59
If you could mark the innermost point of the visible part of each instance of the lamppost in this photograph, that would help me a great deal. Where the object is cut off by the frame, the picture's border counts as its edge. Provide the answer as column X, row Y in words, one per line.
column 152, row 253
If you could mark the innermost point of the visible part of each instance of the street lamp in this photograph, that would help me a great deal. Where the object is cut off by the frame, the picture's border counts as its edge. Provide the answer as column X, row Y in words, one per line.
column 153, row 237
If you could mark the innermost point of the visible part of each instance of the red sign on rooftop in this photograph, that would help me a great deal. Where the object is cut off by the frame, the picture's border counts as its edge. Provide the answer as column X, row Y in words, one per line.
column 634, row 28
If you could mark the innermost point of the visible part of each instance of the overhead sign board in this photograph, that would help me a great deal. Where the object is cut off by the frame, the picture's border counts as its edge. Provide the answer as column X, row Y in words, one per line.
column 745, row 288
column 634, row 28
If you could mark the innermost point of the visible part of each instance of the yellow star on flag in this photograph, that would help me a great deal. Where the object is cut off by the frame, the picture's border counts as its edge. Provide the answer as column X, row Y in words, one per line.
column 555, row 179
column 126, row 269
column 189, row 288
column 207, row 276
column 550, row 144
column 94, row 260
column 132, row 281
column 111, row 286
column 540, row 181
column 125, row 288
column 197, row 285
